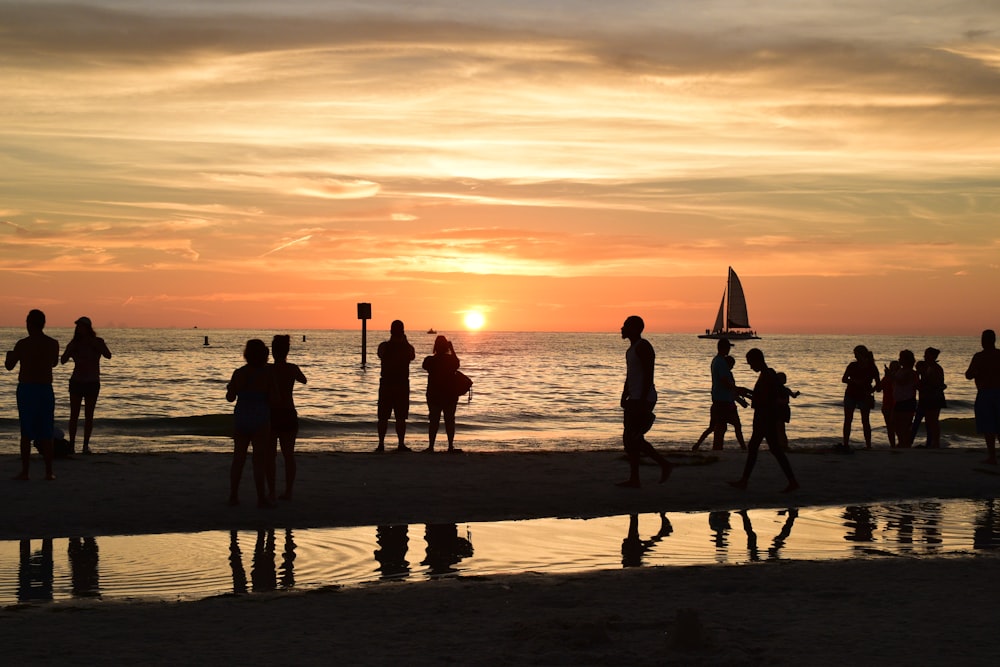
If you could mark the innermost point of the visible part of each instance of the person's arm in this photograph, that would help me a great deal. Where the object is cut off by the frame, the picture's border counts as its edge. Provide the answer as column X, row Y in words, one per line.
column 234, row 386
column 103, row 347
column 68, row 354
column 13, row 356
column 299, row 375
column 970, row 374
column 647, row 359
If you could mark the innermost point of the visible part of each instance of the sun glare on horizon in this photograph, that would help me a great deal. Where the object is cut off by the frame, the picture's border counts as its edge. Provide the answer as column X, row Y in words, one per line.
column 474, row 320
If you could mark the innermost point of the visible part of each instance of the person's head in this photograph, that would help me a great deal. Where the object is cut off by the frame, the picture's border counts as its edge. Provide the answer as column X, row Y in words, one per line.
column 906, row 359
column 780, row 378
column 255, row 352
column 280, row 345
column 441, row 345
column 755, row 357
column 723, row 346
column 35, row 321
column 730, row 361
column 84, row 327
column 931, row 354
column 633, row 326
column 989, row 339
column 861, row 353
column 893, row 366
column 396, row 328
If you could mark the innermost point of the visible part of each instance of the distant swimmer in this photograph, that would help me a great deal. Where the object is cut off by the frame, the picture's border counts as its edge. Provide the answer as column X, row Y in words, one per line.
column 638, row 399
column 985, row 370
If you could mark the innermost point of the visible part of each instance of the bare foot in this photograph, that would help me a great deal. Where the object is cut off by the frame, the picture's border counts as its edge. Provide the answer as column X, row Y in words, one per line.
column 696, row 446
column 792, row 486
column 629, row 484
column 49, row 476
column 738, row 484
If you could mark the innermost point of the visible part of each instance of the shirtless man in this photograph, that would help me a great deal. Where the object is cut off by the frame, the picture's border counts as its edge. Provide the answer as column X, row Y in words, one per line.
column 38, row 354
column 985, row 370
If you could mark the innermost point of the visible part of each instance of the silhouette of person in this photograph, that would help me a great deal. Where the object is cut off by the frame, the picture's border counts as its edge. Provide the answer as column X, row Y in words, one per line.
column 86, row 350
column 634, row 547
column 765, row 422
column 35, row 573
column 38, row 354
column 931, row 401
column 441, row 396
column 861, row 377
column 252, row 387
column 725, row 395
column 985, row 370
column 236, row 564
column 394, row 385
column 263, row 574
column 284, row 417
column 784, row 408
column 889, row 401
column 637, row 401
column 287, row 570
column 392, row 541
column 83, row 558
column 904, row 392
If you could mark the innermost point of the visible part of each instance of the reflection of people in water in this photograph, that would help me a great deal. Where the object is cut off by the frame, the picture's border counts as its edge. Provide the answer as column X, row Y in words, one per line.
column 860, row 524
column 236, row 564
column 444, row 548
column 34, row 574
column 263, row 575
column 986, row 534
column 391, row 554
column 719, row 523
column 83, row 567
column 287, row 569
column 779, row 540
column 634, row 547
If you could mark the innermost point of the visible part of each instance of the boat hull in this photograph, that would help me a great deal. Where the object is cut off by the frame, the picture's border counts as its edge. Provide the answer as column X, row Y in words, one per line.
column 731, row 335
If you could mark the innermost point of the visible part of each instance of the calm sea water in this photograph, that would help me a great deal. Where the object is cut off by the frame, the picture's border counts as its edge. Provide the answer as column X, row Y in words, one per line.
column 164, row 389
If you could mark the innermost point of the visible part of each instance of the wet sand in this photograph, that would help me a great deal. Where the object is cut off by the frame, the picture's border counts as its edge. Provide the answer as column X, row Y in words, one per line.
column 921, row 611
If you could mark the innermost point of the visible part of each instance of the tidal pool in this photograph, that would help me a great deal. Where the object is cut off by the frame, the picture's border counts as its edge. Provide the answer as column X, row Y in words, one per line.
column 185, row 566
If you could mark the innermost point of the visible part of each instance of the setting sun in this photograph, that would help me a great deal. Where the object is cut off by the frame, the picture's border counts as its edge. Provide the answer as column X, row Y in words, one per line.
column 474, row 320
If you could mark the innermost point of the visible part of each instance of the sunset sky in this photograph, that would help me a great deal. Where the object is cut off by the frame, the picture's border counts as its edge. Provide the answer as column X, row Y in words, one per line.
column 553, row 165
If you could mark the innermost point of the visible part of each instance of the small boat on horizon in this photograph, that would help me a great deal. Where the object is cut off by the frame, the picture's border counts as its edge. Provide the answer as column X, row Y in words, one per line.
column 732, row 321
column 431, row 331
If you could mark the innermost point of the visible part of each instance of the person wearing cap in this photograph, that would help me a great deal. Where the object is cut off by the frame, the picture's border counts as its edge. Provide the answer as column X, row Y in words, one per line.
column 930, row 389
column 38, row 354
column 394, row 385
column 86, row 350
column 985, row 370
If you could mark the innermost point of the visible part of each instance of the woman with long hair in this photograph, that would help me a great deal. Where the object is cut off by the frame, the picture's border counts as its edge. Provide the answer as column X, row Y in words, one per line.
column 441, row 396
column 861, row 378
column 86, row 350
column 252, row 387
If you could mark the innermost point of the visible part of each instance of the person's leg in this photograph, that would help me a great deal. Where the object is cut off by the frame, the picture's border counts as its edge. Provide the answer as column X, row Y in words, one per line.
column 991, row 448
column 786, row 466
column 240, row 445
column 848, row 421
column 890, row 427
column 903, row 423
column 753, row 446
column 631, row 445
column 402, row 411
column 47, row 447
column 433, row 424
column 263, row 465
column 701, row 438
column 932, row 424
column 383, row 428
column 288, row 455
column 866, row 425
column 25, row 457
column 449, row 424
column 89, row 404
column 75, row 400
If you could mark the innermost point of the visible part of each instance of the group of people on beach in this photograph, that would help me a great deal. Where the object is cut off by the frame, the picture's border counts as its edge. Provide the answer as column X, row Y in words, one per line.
column 37, row 355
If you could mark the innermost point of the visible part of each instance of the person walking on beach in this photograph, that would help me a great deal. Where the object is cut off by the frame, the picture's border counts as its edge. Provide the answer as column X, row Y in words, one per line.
column 441, row 396
column 725, row 394
column 638, row 399
column 284, row 416
column 985, row 370
column 904, row 392
column 861, row 377
column 38, row 354
column 394, row 385
column 86, row 350
column 931, row 400
column 253, row 388
column 765, row 422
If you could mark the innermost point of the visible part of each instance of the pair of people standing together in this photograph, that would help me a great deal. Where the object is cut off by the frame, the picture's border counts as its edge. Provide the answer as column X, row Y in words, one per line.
column 394, row 388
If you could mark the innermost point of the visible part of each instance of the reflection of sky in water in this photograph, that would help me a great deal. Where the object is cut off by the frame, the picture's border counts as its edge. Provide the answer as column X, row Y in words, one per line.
column 193, row 565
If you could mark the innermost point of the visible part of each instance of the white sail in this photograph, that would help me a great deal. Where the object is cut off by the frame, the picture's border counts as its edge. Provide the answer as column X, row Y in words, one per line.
column 737, row 315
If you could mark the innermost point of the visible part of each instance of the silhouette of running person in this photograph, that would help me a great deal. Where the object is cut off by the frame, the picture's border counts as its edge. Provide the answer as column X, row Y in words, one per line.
column 252, row 387
column 441, row 396
column 38, row 354
column 86, row 350
column 394, row 385
column 284, row 417
column 985, row 370
column 861, row 377
column 765, row 422
column 638, row 399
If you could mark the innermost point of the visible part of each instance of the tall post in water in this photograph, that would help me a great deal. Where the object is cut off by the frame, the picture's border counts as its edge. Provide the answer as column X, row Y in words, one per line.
column 364, row 314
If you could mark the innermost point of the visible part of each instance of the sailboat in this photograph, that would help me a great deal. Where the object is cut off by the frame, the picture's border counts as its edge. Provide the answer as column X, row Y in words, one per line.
column 732, row 321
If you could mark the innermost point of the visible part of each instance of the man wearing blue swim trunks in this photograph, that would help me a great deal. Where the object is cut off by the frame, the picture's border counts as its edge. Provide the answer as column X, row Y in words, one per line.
column 38, row 354
column 985, row 370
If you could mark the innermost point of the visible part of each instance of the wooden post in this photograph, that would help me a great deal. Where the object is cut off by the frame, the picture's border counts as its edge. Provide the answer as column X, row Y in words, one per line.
column 364, row 314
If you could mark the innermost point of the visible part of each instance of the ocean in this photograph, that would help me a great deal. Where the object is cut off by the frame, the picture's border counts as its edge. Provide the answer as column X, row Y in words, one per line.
column 164, row 389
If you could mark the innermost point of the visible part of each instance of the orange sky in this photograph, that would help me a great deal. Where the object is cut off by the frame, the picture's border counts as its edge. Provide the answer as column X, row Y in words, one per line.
column 556, row 167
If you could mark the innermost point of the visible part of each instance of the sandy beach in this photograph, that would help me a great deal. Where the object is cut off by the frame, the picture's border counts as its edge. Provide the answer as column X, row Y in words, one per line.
column 901, row 610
